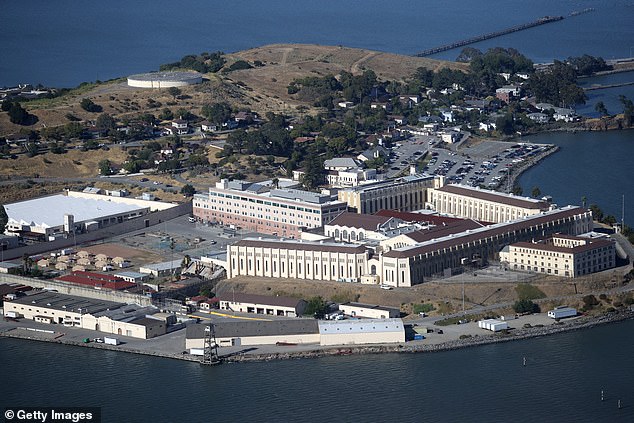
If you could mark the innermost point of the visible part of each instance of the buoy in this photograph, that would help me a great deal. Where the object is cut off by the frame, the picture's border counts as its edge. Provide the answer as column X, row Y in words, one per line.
column 619, row 404
column 524, row 361
column 601, row 394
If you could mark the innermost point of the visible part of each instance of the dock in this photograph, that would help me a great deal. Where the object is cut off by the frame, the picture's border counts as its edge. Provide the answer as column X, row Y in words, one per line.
column 541, row 21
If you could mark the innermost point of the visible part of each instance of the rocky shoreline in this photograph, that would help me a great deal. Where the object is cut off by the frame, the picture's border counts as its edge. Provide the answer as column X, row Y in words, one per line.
column 517, row 334
column 472, row 341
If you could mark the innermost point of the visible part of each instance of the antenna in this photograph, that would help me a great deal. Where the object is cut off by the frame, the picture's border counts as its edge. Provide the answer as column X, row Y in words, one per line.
column 210, row 352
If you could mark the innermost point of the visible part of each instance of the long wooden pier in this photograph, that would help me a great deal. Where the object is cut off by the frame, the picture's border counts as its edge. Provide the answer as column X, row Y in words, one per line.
column 540, row 21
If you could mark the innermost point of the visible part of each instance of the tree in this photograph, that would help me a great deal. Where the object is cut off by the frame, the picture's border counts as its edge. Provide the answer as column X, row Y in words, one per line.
column 4, row 218
column 174, row 92
column 536, row 192
column 525, row 306
column 217, row 113
column 166, row 114
column 105, row 123
column 628, row 110
column 104, row 167
column 601, row 109
column 19, row 115
column 316, row 307
column 89, row 106
column 314, row 172
column 188, row 190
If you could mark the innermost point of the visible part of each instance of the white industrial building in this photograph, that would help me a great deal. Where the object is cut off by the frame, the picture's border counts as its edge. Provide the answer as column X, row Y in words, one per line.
column 359, row 332
column 75, row 212
column 493, row 325
column 262, row 304
column 86, row 313
column 300, row 331
column 369, row 311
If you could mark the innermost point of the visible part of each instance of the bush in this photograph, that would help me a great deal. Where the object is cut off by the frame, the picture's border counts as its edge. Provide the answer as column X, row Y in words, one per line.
column 88, row 105
column 590, row 301
column 525, row 306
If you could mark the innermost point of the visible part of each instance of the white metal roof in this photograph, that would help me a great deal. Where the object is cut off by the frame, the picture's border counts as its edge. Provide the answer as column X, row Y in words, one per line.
column 49, row 211
column 330, row 327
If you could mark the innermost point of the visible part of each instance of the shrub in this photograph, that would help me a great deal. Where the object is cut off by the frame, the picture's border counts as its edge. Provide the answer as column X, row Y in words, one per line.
column 525, row 306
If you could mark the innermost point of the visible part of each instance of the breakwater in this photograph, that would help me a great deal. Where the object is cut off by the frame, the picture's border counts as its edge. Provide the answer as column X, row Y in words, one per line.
column 488, row 36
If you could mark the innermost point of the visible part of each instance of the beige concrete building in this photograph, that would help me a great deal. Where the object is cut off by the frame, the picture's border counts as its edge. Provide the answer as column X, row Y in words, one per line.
column 483, row 205
column 261, row 304
column 561, row 255
column 265, row 209
column 410, row 265
column 299, row 331
column 103, row 316
column 352, row 227
column 251, row 332
column 359, row 332
column 369, row 311
column 279, row 258
column 404, row 194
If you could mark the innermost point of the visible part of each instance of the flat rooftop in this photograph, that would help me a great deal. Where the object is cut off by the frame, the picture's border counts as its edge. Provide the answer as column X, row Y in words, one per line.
column 71, row 303
column 49, row 211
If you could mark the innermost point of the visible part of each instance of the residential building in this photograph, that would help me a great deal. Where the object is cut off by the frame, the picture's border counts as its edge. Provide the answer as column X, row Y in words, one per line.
column 561, row 255
column 261, row 304
column 280, row 258
column 483, row 205
column 408, row 193
column 179, row 127
column 264, row 208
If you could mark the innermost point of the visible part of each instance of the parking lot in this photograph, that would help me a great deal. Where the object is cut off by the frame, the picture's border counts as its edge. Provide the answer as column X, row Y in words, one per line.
column 485, row 164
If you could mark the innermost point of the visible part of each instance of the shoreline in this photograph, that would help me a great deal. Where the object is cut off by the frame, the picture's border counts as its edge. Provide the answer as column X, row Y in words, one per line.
column 472, row 341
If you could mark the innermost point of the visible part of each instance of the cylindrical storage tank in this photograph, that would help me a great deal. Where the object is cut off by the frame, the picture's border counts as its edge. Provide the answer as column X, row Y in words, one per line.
column 164, row 79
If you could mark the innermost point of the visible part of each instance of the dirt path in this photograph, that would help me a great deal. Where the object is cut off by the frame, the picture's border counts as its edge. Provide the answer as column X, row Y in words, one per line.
column 355, row 68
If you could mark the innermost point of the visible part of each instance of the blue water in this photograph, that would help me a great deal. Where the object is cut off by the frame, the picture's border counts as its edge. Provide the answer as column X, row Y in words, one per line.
column 561, row 382
column 65, row 42
column 591, row 164
column 609, row 96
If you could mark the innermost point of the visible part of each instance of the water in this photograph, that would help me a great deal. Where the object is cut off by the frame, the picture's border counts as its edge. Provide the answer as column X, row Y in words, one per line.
column 609, row 96
column 66, row 42
column 562, row 381
column 590, row 164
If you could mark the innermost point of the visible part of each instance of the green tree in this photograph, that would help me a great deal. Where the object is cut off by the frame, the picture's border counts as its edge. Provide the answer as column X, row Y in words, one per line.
column 188, row 190
column 4, row 218
column 601, row 109
column 89, row 106
column 174, row 92
column 536, row 192
column 217, row 113
column 105, row 123
column 19, row 115
column 525, row 306
column 105, row 167
column 316, row 307
column 628, row 110
column 313, row 173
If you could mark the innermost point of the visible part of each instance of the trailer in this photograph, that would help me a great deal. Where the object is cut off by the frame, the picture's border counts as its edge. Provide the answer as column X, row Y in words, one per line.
column 111, row 341
column 562, row 312
column 493, row 325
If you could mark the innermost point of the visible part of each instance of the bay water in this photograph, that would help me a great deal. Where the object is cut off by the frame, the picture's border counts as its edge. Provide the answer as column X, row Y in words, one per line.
column 561, row 382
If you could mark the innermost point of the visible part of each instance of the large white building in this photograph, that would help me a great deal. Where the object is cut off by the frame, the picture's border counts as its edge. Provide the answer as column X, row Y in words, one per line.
column 299, row 331
column 265, row 209
column 280, row 258
column 408, row 193
column 59, row 214
column 561, row 255
column 103, row 316
column 483, row 205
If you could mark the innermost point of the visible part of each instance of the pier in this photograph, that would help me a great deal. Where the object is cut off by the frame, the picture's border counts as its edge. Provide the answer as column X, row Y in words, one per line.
column 517, row 28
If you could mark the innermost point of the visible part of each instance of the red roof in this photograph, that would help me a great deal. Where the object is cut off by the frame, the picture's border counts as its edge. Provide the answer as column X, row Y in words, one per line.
column 97, row 280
